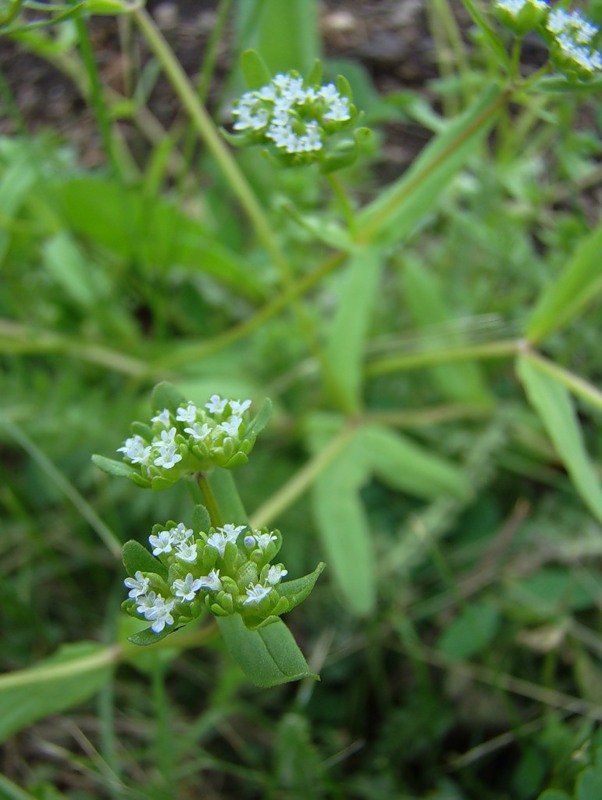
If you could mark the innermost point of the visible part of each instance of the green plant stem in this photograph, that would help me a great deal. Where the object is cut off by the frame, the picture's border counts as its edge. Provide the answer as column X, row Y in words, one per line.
column 301, row 481
column 406, row 361
column 95, row 92
column 343, row 201
column 210, row 499
column 195, row 352
column 204, row 80
column 81, row 504
column 164, row 739
column 577, row 385
column 206, row 129
column 368, row 230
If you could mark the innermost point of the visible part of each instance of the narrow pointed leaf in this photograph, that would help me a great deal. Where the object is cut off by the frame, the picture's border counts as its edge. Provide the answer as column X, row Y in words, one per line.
column 298, row 590
column 75, row 673
column 554, row 406
column 261, row 419
column 112, row 467
column 580, row 282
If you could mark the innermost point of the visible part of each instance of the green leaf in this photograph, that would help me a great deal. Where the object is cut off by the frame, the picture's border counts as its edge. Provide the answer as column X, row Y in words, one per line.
column 70, row 676
column 200, row 519
column 390, row 217
column 554, row 405
column 165, row 395
column 297, row 590
column 268, row 656
column 149, row 637
column 137, row 557
column 261, row 419
column 471, row 632
column 254, row 69
column 580, row 282
column 106, row 7
column 343, row 526
column 425, row 297
column 350, row 327
column 72, row 271
column 554, row 794
column 285, row 34
column 401, row 463
column 589, row 785
column 117, row 468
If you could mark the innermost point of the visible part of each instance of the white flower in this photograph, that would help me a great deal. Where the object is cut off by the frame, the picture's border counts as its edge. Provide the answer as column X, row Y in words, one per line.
column 186, row 589
column 211, row 581
column 219, row 542
column 238, row 407
column 164, row 418
column 187, row 413
column 137, row 585
column 264, row 539
column 231, row 426
column 256, row 593
column 275, row 574
column 216, row 404
column 199, row 432
column 231, row 532
column 162, row 543
column 186, row 551
column 168, row 455
column 136, row 450
column 157, row 611
column 181, row 533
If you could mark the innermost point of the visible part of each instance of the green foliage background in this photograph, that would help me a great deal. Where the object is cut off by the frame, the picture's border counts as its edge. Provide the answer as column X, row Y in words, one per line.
column 432, row 351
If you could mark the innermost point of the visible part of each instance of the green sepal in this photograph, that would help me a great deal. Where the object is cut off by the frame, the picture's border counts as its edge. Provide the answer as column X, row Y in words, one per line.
column 262, row 623
column 343, row 155
column 236, row 139
column 159, row 483
column 236, row 461
column 112, row 467
column 137, row 557
column 254, row 69
column 268, row 656
column 165, row 395
column 260, row 420
column 297, row 590
column 201, row 521
column 314, row 77
column 148, row 636
column 140, row 480
column 343, row 87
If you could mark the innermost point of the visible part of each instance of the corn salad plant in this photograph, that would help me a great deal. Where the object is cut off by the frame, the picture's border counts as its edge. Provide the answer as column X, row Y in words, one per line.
column 428, row 342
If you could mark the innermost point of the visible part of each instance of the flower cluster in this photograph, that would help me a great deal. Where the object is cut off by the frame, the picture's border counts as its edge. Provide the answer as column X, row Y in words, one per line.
column 226, row 570
column 295, row 119
column 572, row 47
column 570, row 36
column 189, row 439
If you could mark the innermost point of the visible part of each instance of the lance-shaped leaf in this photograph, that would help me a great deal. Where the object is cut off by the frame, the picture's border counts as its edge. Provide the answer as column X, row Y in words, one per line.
column 344, row 528
column 72, row 675
column 580, row 282
column 349, row 330
column 268, row 656
column 260, row 420
column 403, row 464
column 118, row 469
column 390, row 217
column 297, row 590
column 553, row 403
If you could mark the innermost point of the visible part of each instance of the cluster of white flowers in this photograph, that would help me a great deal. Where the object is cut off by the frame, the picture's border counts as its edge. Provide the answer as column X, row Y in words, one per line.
column 295, row 118
column 198, row 569
column 570, row 35
column 195, row 438
column 575, row 37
